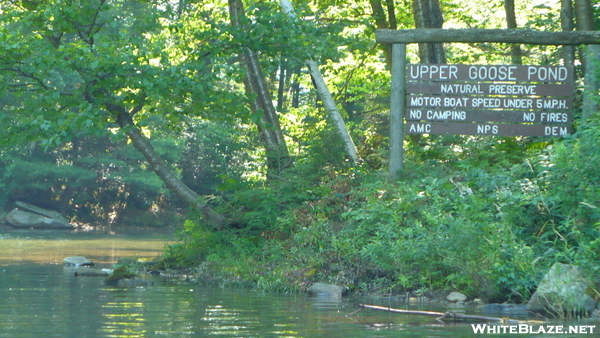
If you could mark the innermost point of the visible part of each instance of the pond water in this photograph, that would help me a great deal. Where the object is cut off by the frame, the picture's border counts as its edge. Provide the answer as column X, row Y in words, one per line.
column 40, row 299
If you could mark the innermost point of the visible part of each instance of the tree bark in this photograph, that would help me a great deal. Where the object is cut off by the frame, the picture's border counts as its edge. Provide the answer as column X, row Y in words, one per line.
column 326, row 97
column 295, row 87
column 428, row 14
column 391, row 10
column 283, row 74
column 511, row 23
column 566, row 23
column 382, row 23
column 278, row 157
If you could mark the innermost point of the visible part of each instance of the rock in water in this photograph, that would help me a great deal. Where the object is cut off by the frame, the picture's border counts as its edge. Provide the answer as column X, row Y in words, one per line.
column 25, row 219
column 91, row 272
column 45, row 212
column 322, row 289
column 562, row 291
column 77, row 261
column 456, row 297
column 124, row 278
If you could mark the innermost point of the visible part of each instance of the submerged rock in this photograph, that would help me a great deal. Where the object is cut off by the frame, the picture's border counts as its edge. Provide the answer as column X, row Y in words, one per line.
column 133, row 282
column 91, row 272
column 330, row 290
column 77, row 261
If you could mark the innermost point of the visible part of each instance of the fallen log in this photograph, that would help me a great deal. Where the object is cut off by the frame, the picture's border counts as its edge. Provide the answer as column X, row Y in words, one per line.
column 441, row 316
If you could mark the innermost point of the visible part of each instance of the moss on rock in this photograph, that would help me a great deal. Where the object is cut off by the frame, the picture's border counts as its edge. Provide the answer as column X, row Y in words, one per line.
column 119, row 273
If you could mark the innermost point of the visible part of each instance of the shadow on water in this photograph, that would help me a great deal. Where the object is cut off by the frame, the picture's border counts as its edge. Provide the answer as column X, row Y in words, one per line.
column 42, row 299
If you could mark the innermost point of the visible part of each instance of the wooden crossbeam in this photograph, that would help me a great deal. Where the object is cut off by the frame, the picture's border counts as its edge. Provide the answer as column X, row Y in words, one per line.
column 474, row 35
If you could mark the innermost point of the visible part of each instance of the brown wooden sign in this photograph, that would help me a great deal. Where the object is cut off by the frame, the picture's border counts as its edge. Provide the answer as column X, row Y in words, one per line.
column 454, row 128
column 489, row 99
column 470, row 88
column 440, row 72
column 458, row 115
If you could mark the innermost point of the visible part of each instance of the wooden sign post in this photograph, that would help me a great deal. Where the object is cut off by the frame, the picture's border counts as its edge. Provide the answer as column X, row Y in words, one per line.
column 397, row 109
column 508, row 100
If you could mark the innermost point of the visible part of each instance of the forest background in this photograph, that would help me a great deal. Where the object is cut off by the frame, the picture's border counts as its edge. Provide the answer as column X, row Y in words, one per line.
column 211, row 118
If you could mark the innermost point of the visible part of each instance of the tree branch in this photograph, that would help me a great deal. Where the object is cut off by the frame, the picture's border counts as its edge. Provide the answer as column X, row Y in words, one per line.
column 440, row 316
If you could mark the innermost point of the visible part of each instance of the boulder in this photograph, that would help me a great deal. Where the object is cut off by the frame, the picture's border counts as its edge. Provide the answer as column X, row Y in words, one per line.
column 456, row 297
column 77, row 261
column 562, row 291
column 25, row 219
column 45, row 212
column 124, row 278
column 322, row 289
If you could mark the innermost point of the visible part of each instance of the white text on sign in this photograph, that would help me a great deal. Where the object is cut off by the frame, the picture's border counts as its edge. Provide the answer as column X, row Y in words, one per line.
column 489, row 73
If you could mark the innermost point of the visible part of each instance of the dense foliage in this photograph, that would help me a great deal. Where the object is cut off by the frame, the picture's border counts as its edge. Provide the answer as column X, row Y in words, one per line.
column 484, row 215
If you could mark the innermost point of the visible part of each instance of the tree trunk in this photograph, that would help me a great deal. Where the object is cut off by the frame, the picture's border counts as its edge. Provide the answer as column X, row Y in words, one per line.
column 326, row 97
column 566, row 23
column 143, row 145
column 278, row 157
column 511, row 23
column 296, row 87
column 391, row 14
column 591, row 54
column 283, row 74
column 332, row 110
column 428, row 14
column 382, row 23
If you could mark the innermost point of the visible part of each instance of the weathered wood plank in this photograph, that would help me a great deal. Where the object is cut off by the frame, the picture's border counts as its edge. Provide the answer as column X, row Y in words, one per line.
column 397, row 110
column 474, row 35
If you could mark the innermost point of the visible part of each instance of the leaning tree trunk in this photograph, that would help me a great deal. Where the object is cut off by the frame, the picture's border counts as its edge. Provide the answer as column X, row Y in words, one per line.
column 325, row 96
column 278, row 157
column 143, row 145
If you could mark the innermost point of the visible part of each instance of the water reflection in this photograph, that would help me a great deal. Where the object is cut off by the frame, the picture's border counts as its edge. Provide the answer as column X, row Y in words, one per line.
column 124, row 319
column 50, row 247
column 40, row 300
